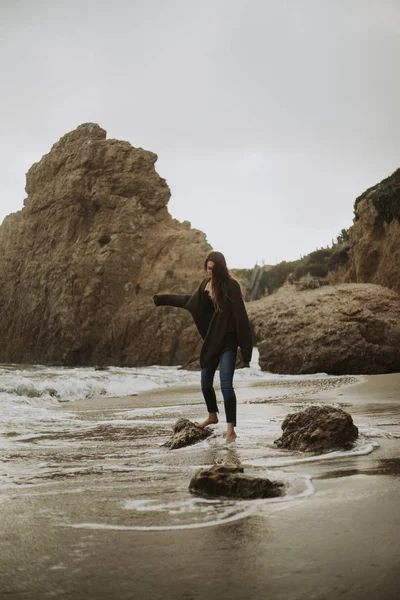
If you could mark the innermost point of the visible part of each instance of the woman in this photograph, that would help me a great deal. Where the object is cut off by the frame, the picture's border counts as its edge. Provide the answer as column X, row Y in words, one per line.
column 220, row 315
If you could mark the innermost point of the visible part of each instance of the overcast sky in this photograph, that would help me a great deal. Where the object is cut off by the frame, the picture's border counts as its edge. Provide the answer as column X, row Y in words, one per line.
column 269, row 117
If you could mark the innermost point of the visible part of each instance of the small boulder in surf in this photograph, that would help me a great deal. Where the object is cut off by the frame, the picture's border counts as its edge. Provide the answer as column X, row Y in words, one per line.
column 230, row 482
column 185, row 433
column 318, row 429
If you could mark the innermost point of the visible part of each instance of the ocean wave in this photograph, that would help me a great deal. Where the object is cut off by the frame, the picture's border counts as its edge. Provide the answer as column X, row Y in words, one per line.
column 47, row 385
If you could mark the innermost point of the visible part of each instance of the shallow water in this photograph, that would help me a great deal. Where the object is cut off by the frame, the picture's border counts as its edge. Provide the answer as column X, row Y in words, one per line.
column 113, row 455
column 93, row 505
column 31, row 395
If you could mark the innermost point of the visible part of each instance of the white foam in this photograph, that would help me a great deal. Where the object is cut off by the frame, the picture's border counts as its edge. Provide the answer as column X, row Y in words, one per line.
column 376, row 431
column 358, row 450
column 100, row 526
column 46, row 386
column 228, row 510
column 249, row 508
column 189, row 505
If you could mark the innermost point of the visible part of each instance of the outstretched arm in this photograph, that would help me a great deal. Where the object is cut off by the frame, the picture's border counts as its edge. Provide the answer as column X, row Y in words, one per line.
column 243, row 329
column 178, row 300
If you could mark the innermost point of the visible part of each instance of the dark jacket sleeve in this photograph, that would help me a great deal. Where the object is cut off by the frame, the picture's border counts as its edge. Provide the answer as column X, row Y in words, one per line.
column 243, row 329
column 178, row 300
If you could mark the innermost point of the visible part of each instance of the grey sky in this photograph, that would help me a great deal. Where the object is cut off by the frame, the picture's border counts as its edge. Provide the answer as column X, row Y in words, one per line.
column 268, row 116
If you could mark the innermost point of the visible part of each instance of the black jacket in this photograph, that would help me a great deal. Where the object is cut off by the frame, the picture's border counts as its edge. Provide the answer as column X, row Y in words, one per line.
column 232, row 315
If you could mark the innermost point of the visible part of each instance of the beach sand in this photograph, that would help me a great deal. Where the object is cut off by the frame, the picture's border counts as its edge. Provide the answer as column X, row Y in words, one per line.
column 341, row 542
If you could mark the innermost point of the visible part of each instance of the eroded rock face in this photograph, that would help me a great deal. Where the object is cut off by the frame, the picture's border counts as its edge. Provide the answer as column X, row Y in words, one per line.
column 318, row 429
column 185, row 433
column 345, row 329
column 230, row 482
column 375, row 236
column 81, row 261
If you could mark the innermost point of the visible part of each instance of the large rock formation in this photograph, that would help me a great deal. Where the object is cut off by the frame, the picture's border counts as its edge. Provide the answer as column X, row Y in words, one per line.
column 80, row 262
column 346, row 329
column 375, row 236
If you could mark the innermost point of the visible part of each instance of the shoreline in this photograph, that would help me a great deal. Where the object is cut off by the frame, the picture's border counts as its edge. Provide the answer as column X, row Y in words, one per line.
column 338, row 543
column 246, row 393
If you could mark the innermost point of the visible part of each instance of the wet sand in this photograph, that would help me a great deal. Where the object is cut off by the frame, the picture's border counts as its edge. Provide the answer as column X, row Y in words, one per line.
column 340, row 542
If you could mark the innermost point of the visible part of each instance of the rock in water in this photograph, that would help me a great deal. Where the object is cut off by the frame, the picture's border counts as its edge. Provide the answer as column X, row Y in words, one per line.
column 340, row 330
column 185, row 434
column 318, row 429
column 83, row 258
column 230, row 482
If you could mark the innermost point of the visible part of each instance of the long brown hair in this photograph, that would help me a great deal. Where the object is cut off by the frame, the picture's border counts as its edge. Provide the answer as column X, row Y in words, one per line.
column 220, row 276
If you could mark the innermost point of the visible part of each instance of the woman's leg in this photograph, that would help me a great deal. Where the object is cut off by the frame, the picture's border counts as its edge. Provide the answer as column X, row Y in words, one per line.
column 227, row 363
column 207, row 387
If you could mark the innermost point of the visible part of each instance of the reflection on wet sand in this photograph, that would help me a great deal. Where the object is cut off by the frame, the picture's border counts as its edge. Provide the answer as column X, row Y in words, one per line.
column 384, row 466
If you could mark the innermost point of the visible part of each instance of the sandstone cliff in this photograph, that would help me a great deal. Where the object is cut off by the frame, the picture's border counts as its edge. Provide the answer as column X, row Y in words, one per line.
column 80, row 262
column 375, row 236
column 346, row 329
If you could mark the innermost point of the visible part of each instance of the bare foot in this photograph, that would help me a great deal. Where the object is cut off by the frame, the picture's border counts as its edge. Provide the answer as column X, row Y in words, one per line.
column 209, row 421
column 231, row 438
column 230, row 434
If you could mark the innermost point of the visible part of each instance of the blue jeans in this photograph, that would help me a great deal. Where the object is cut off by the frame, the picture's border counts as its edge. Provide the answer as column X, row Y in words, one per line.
column 227, row 363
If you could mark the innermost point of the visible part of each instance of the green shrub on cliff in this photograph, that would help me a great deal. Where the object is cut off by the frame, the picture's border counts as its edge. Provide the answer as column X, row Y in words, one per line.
column 320, row 262
column 385, row 197
column 388, row 205
column 317, row 264
column 339, row 256
column 272, row 279
column 342, row 238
